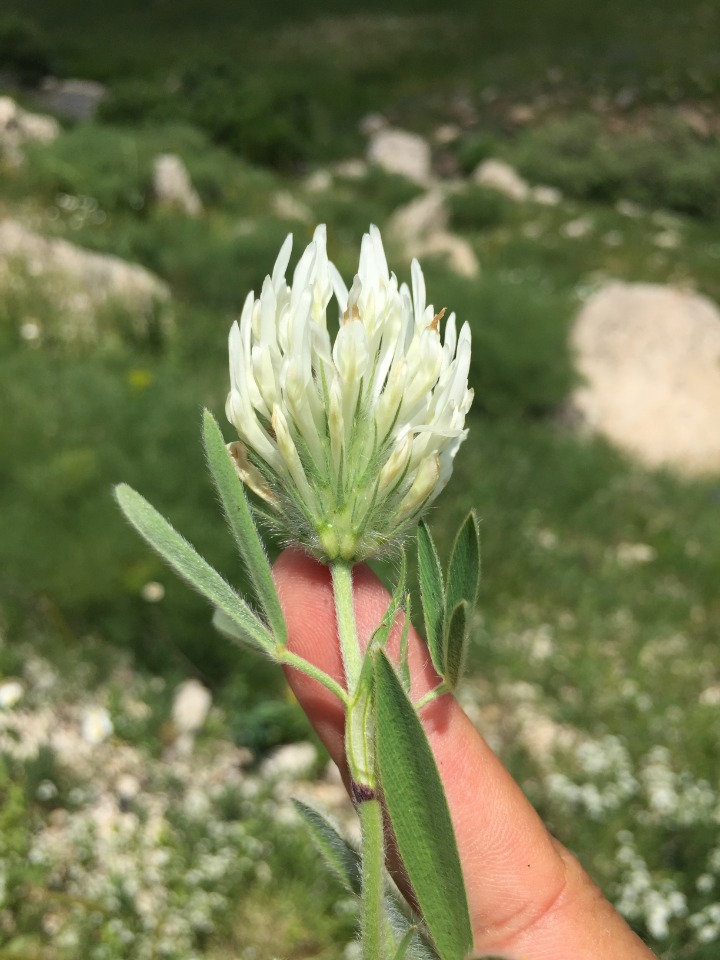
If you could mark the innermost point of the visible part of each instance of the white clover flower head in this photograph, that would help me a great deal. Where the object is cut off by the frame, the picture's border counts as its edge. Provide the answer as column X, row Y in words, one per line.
column 347, row 441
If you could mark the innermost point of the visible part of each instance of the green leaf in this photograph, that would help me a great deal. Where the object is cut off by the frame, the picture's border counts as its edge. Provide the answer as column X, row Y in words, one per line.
column 419, row 814
column 188, row 563
column 232, row 630
column 456, row 644
column 240, row 519
column 463, row 578
column 338, row 854
column 401, row 926
column 432, row 593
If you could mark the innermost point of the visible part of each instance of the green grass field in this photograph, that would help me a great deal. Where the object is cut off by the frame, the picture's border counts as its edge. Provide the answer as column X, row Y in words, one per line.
column 595, row 674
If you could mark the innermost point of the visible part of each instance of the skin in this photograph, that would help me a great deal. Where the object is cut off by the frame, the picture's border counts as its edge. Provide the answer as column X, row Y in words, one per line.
column 529, row 897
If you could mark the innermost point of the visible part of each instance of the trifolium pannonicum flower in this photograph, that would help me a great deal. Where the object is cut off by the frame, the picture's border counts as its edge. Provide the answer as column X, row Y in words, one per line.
column 348, row 428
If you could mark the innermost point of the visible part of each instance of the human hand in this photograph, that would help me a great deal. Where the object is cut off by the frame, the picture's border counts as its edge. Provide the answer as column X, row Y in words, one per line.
column 529, row 898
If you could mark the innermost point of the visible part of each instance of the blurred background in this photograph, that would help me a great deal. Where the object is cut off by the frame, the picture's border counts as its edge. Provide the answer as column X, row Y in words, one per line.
column 556, row 168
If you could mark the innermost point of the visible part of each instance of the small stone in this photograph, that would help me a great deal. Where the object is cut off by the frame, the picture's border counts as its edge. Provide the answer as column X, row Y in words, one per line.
column 446, row 133
column 351, row 169
column 575, row 229
column 319, row 181
column 500, row 176
column 456, row 251
column 546, row 196
column 402, row 153
column 423, row 216
column 628, row 208
column 287, row 207
column 191, row 706
column 667, row 240
column 172, row 185
column 632, row 554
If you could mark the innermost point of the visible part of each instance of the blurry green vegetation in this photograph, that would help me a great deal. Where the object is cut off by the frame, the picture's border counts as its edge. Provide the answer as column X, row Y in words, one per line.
column 663, row 163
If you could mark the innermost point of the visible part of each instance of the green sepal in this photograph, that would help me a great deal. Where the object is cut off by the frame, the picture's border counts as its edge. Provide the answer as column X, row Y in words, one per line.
column 242, row 525
column 344, row 862
column 188, row 563
column 432, row 593
column 418, row 810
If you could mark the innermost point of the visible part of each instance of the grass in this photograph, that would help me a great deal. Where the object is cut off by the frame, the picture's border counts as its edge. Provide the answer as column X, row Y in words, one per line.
column 594, row 672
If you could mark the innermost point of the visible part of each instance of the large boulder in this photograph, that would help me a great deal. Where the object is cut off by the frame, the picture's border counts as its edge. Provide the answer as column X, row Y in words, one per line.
column 402, row 153
column 650, row 358
column 85, row 289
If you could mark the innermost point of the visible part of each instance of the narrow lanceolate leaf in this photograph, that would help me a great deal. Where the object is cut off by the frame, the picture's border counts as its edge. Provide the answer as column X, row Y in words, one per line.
column 242, row 525
column 338, row 854
column 419, row 814
column 457, row 638
column 401, row 927
column 463, row 578
column 188, row 563
column 232, row 630
column 432, row 593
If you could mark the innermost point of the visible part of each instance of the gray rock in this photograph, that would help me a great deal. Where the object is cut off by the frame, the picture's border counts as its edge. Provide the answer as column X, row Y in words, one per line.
column 402, row 153
column 420, row 229
column 73, row 99
column 418, row 219
column 287, row 207
column 457, row 253
column 172, row 185
column 80, row 284
column 18, row 127
column 650, row 357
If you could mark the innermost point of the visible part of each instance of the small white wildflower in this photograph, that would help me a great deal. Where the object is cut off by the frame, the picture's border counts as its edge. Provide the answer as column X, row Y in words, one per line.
column 96, row 725
column 152, row 591
column 11, row 691
column 347, row 441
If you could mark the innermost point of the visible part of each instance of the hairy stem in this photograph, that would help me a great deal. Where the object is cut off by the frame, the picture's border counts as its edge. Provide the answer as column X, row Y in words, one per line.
column 345, row 612
column 373, row 857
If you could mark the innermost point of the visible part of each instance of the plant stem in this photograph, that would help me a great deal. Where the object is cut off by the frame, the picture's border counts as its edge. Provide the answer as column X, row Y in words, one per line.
column 345, row 612
column 373, row 856
column 293, row 660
